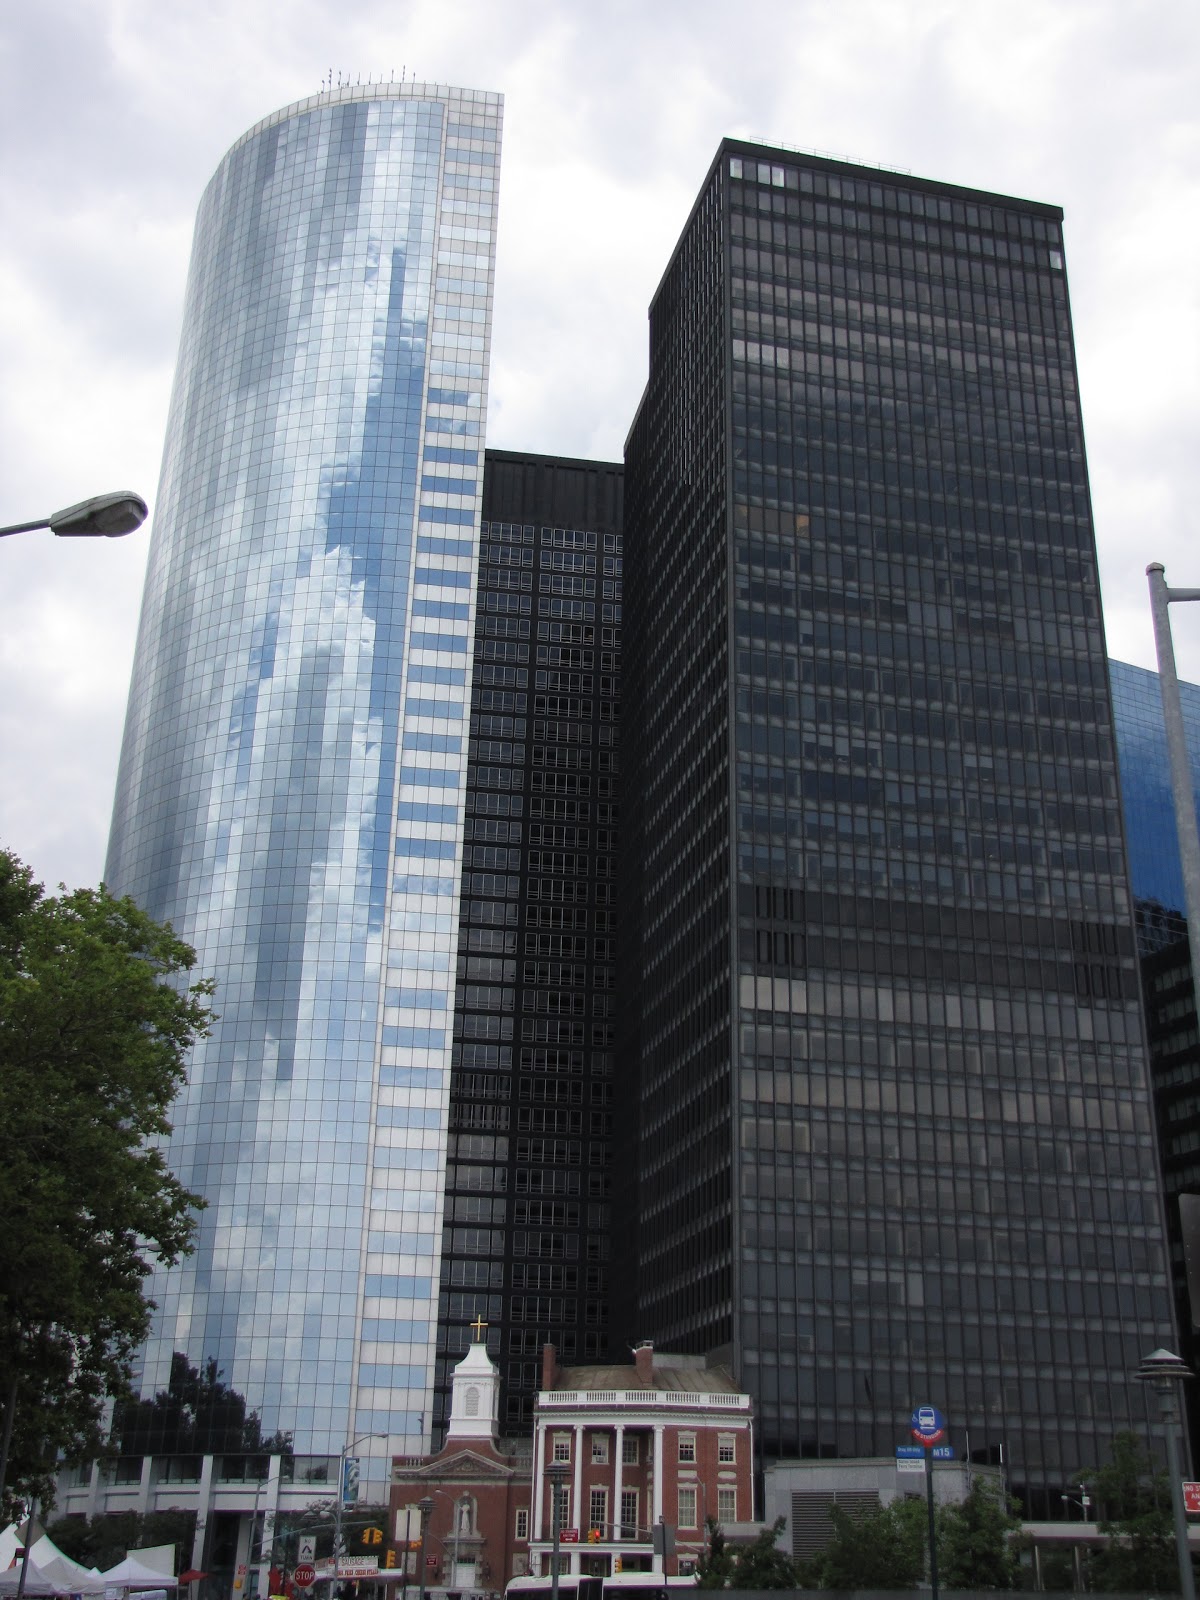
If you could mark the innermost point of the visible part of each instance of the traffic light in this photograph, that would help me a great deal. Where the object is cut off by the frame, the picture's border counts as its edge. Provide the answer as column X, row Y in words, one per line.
column 390, row 1559
column 593, row 1535
column 372, row 1536
column 616, row 1563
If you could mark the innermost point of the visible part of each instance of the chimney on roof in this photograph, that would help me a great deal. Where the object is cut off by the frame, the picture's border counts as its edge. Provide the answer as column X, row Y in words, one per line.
column 549, row 1366
column 643, row 1361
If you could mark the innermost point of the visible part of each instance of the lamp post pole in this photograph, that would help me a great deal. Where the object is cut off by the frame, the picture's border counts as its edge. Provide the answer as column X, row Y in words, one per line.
column 1166, row 1373
column 424, row 1507
column 556, row 1473
column 339, row 1503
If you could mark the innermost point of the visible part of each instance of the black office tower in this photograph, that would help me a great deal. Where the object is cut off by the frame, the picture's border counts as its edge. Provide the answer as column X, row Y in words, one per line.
column 884, row 1042
column 529, row 1169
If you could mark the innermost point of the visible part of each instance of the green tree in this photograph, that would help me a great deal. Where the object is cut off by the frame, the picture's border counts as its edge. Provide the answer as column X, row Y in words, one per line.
column 881, row 1549
column 1135, row 1503
column 96, row 1019
column 974, row 1546
column 103, row 1540
column 761, row 1564
column 716, row 1564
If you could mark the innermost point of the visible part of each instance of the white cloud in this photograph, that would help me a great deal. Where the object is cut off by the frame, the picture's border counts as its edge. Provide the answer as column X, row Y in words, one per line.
column 116, row 112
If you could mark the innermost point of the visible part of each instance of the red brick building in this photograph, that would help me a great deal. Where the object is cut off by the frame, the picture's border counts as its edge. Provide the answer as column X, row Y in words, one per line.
column 666, row 1440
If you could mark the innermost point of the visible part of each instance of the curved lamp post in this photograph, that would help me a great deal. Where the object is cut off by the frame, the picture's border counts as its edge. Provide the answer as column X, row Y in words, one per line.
column 1165, row 1372
column 104, row 516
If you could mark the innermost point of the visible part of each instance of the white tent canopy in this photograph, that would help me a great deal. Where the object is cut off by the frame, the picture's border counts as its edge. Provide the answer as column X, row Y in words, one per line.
column 53, row 1575
column 134, row 1574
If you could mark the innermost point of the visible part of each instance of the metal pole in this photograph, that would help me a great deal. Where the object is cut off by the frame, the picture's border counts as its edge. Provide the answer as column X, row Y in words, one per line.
column 424, row 1507
column 556, row 1479
column 1177, row 755
column 1187, row 1579
column 29, row 1545
column 933, row 1583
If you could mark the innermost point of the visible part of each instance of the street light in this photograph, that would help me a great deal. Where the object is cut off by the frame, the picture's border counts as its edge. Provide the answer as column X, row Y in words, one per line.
column 1165, row 1372
column 424, row 1507
column 104, row 516
column 339, row 1503
column 556, row 1473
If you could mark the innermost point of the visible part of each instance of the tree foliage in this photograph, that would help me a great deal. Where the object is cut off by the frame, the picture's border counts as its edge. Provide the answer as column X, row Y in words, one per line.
column 974, row 1547
column 103, row 1540
column 758, row 1564
column 96, row 1019
column 1134, row 1498
column 880, row 1549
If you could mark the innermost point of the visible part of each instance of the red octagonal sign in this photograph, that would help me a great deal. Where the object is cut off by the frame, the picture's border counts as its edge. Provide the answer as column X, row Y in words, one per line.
column 305, row 1575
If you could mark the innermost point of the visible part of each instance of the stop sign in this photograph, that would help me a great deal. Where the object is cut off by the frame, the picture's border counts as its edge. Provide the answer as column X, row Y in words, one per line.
column 305, row 1575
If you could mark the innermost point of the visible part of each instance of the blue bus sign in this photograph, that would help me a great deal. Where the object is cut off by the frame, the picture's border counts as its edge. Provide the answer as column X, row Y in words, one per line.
column 928, row 1426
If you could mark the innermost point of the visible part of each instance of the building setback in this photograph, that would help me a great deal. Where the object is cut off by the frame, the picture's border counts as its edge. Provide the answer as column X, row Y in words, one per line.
column 291, row 783
column 884, row 1043
column 526, row 1241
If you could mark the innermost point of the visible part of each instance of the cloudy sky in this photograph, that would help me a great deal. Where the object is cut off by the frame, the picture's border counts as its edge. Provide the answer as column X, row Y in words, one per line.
column 116, row 112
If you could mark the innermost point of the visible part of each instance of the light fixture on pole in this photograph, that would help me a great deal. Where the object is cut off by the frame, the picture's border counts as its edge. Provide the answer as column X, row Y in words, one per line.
column 556, row 1474
column 339, row 1504
column 1166, row 1374
column 104, row 516
column 424, row 1507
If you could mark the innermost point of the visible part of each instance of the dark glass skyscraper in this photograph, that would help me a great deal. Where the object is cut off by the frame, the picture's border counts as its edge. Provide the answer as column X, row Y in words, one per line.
column 894, row 1140
column 529, row 1171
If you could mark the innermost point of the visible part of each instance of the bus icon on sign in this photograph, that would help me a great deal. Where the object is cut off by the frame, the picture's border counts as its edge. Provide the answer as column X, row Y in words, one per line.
column 927, row 1419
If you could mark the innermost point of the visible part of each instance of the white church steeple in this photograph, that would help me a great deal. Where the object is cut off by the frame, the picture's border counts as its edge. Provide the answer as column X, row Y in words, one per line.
column 475, row 1400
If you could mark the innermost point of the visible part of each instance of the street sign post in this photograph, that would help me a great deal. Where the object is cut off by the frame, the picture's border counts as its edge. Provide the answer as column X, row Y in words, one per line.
column 928, row 1428
column 1191, row 1499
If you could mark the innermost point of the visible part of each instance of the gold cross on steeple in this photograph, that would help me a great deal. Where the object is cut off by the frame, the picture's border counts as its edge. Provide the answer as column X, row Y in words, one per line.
column 479, row 1325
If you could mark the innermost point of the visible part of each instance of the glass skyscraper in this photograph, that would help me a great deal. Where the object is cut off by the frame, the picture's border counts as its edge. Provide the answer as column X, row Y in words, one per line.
column 291, row 783
column 884, row 1045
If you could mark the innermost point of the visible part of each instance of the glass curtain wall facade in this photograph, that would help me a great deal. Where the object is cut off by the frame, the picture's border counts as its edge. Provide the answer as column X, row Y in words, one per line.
column 291, row 783
column 526, row 1243
column 1154, row 867
column 895, row 1143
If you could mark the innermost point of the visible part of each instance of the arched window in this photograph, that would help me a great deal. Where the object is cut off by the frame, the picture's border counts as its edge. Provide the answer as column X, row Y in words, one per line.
column 472, row 1402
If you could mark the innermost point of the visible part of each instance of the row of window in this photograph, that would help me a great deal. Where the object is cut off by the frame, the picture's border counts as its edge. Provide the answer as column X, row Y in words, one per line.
column 598, row 1447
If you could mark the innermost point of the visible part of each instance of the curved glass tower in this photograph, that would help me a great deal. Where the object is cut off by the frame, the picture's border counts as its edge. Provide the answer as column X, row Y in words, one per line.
column 291, row 778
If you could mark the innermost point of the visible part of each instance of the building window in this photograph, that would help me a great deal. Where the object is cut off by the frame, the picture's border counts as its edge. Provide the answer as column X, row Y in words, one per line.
column 600, row 1449
column 687, row 1508
column 726, row 1505
column 522, row 1528
column 561, row 1447
column 629, row 1450
column 726, row 1447
column 629, row 1513
column 687, row 1447
column 598, row 1511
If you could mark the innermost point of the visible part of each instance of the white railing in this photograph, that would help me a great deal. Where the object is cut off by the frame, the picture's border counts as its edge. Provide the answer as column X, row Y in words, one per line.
column 643, row 1398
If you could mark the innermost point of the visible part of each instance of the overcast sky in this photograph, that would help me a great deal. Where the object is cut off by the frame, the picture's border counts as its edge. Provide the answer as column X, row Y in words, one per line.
column 116, row 112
